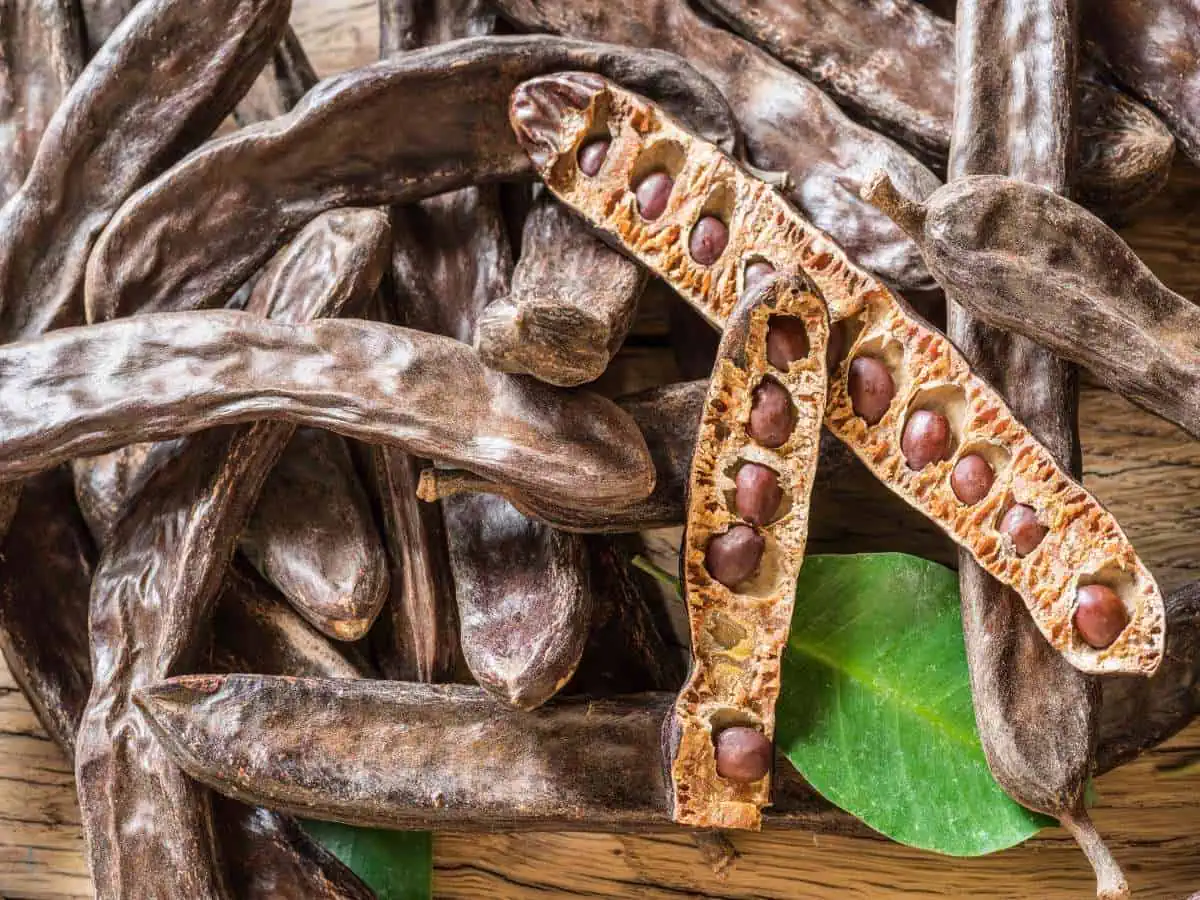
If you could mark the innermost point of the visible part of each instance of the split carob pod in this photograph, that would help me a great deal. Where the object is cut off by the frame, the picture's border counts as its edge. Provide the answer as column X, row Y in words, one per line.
column 329, row 152
column 889, row 368
column 43, row 55
column 747, row 522
column 789, row 124
column 1015, row 110
column 1153, row 49
column 148, row 828
column 151, row 94
column 1025, row 259
column 572, row 302
column 668, row 417
column 78, row 391
column 312, row 533
column 892, row 63
column 439, row 756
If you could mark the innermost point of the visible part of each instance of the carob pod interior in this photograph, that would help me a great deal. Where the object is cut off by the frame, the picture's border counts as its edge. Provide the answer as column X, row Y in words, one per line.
column 367, row 380
column 1153, row 48
column 1026, row 259
column 330, row 152
column 789, row 124
column 148, row 828
column 891, row 371
column 438, row 756
column 1015, row 110
column 571, row 304
column 893, row 63
column 747, row 522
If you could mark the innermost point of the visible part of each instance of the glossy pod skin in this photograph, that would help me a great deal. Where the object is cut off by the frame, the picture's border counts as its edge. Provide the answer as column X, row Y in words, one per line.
column 893, row 63
column 789, row 125
column 301, row 374
column 739, row 626
column 1030, row 261
column 1016, row 108
column 1154, row 50
column 280, row 174
column 1084, row 539
column 571, row 304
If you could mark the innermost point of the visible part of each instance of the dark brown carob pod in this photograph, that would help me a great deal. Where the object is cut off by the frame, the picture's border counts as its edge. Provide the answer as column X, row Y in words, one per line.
column 1028, row 260
column 571, row 303
column 788, row 123
column 330, row 152
column 149, row 830
column 743, row 547
column 1154, row 50
column 893, row 63
column 1015, row 109
column 893, row 366
column 438, row 756
column 365, row 380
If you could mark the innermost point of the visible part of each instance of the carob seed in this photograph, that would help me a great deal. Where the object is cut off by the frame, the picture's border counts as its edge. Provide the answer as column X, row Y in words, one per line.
column 772, row 416
column 754, row 274
column 757, row 495
column 708, row 241
column 972, row 478
column 1100, row 616
column 1020, row 523
column 787, row 341
column 734, row 556
column 592, row 156
column 743, row 754
column 926, row 438
column 871, row 388
column 652, row 194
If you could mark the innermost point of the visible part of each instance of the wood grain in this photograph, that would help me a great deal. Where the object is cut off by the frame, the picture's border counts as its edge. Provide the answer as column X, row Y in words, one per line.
column 1145, row 471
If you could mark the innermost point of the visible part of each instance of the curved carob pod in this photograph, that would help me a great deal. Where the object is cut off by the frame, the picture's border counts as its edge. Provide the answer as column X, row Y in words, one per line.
column 148, row 828
column 892, row 63
column 1153, row 49
column 572, row 302
column 788, row 123
column 78, row 391
column 438, row 756
column 747, row 522
column 1015, row 110
column 1025, row 259
column 330, row 152
column 890, row 366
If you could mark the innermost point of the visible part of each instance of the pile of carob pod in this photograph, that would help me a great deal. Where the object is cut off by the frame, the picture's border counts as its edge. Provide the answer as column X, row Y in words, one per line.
column 303, row 401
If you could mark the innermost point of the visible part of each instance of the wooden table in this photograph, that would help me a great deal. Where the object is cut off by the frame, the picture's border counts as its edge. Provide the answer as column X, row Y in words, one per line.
column 1147, row 472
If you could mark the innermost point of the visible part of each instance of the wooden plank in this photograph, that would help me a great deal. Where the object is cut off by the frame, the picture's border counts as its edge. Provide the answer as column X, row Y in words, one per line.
column 1146, row 471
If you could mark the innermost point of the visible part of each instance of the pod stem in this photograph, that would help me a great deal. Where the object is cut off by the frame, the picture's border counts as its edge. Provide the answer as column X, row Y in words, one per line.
column 437, row 484
column 881, row 193
column 1110, row 880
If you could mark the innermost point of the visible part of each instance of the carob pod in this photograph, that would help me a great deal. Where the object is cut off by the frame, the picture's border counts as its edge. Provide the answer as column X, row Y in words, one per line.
column 571, row 304
column 42, row 56
column 889, row 365
column 1025, row 259
column 436, row 756
column 667, row 417
column 148, row 828
column 106, row 484
column 1015, row 109
column 892, row 62
column 330, row 152
column 101, row 18
column 788, row 123
column 1153, row 48
column 747, row 522
column 79, row 391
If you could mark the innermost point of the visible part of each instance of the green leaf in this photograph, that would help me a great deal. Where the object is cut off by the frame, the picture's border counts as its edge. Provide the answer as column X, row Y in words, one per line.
column 875, row 709
column 396, row 865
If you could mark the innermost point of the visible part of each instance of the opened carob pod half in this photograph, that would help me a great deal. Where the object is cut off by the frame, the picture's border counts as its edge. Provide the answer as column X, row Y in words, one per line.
column 888, row 364
column 747, row 523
